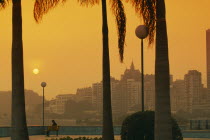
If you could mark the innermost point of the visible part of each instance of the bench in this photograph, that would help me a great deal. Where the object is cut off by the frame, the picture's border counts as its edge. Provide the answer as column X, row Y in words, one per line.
column 52, row 128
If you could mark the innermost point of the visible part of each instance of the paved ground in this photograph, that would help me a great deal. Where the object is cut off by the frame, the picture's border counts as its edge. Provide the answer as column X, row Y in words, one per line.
column 48, row 138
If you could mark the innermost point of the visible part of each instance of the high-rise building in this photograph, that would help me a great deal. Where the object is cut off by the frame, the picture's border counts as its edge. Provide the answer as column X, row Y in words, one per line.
column 116, row 96
column 97, row 96
column 126, row 93
column 208, row 58
column 178, row 96
column 134, row 93
column 149, row 91
column 193, row 88
column 131, row 89
column 203, row 108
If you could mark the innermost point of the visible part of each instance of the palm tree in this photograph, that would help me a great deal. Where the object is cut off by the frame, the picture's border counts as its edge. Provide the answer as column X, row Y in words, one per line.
column 153, row 13
column 3, row 4
column 163, row 126
column 19, row 126
column 42, row 7
column 146, row 10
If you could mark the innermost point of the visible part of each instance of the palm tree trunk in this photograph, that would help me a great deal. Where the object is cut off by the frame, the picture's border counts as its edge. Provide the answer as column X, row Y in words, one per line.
column 163, row 128
column 108, row 133
column 19, row 126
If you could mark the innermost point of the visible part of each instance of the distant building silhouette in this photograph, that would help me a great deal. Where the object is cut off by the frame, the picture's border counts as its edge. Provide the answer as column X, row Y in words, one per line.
column 115, row 96
column 131, row 73
column 178, row 96
column 193, row 88
column 97, row 96
column 84, row 94
column 131, row 88
column 208, row 58
column 125, row 93
column 58, row 105
column 187, row 95
column 149, row 91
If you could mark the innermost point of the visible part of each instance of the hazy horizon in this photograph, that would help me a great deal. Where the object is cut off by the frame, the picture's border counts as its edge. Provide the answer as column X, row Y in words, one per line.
column 67, row 47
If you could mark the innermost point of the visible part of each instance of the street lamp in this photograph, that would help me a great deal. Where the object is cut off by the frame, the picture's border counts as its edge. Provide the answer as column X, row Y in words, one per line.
column 142, row 32
column 43, row 84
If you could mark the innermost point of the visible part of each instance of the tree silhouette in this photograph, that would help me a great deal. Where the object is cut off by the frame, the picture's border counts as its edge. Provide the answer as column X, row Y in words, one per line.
column 3, row 4
column 163, row 124
column 19, row 129
column 19, row 126
column 43, row 6
column 146, row 10
column 153, row 13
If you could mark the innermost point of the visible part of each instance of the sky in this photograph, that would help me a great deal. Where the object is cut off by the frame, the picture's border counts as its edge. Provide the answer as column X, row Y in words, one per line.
column 67, row 45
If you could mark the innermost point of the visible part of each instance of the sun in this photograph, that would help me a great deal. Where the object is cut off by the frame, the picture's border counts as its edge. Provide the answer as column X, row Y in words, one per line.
column 36, row 71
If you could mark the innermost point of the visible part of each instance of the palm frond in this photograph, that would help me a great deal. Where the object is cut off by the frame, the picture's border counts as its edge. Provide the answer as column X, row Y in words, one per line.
column 42, row 7
column 147, row 10
column 3, row 4
column 88, row 2
column 118, row 10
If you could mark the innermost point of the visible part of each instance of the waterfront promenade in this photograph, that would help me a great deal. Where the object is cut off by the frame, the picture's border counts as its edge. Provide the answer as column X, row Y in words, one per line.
column 36, row 132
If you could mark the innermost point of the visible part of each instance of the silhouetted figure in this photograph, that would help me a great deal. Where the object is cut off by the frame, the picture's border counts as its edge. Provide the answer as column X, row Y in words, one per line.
column 54, row 123
column 54, row 127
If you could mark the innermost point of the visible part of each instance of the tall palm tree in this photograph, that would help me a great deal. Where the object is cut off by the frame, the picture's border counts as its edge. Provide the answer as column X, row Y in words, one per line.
column 19, row 126
column 163, row 127
column 42, row 7
column 153, row 13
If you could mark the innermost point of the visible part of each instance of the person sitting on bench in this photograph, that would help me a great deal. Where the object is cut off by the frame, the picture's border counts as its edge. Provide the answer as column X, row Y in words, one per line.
column 54, row 127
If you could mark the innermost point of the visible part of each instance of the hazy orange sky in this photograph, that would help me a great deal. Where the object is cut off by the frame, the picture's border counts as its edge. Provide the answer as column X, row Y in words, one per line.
column 67, row 46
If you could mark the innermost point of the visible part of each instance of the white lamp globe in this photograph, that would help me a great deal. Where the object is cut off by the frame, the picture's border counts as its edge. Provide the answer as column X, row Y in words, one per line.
column 43, row 84
column 142, row 31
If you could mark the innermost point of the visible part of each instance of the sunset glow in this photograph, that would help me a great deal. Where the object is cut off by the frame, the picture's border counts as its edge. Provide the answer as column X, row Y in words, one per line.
column 36, row 71
column 67, row 44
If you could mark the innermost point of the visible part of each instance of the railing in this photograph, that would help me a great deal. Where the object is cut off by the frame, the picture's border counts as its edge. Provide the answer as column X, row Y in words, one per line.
column 94, row 130
column 64, row 130
column 199, row 124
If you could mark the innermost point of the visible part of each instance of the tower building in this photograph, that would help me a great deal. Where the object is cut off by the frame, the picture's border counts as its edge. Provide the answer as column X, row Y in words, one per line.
column 193, row 87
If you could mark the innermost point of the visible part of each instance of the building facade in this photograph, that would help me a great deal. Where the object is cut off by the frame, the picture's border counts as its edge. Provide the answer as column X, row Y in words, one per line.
column 57, row 105
column 115, row 96
column 193, row 88
column 149, row 92
column 178, row 96
column 84, row 94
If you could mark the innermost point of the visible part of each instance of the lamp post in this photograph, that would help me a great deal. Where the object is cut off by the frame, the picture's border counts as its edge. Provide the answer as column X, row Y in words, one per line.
column 43, row 84
column 142, row 32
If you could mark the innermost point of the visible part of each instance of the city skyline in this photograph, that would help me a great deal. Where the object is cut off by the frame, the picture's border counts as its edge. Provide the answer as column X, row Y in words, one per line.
column 187, row 96
column 132, row 67
column 62, row 59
